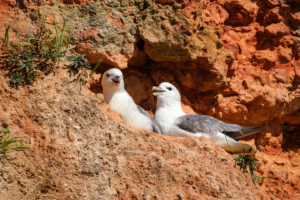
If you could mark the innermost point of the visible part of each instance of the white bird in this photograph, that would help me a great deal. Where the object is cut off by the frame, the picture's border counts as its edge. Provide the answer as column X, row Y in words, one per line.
column 120, row 102
column 174, row 122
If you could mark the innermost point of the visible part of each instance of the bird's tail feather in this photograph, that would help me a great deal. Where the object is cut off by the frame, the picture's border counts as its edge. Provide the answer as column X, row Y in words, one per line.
column 244, row 132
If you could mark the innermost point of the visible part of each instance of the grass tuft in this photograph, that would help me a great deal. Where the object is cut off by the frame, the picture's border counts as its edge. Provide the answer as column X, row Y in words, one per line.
column 10, row 143
column 247, row 159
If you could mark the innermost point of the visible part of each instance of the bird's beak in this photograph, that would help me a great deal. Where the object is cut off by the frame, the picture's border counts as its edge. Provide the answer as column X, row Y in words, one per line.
column 116, row 80
column 157, row 90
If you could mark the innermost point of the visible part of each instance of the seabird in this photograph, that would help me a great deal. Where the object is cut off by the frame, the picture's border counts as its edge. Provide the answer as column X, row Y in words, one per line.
column 120, row 102
column 172, row 121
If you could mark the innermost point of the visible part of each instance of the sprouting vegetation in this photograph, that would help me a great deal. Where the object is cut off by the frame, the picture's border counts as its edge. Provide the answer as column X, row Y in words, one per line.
column 17, row 78
column 79, row 62
column 36, row 53
column 247, row 159
column 10, row 143
column 80, row 67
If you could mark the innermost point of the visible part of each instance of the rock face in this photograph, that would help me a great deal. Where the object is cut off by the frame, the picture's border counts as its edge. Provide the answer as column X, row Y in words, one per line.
column 236, row 60
column 121, row 32
column 170, row 33
column 98, row 31
column 79, row 152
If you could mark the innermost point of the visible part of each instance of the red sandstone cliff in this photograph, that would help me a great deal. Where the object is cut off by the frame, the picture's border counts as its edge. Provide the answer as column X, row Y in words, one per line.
column 236, row 60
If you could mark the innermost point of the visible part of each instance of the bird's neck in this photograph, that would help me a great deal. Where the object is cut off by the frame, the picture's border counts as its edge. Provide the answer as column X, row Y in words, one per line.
column 169, row 105
column 120, row 102
column 166, row 114
column 173, row 111
column 109, row 94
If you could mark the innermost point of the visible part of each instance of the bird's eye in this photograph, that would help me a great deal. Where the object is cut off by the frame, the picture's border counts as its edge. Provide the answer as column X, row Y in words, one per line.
column 169, row 88
column 107, row 75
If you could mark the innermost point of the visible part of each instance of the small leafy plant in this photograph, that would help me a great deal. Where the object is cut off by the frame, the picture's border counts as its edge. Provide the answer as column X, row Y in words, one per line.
column 10, row 143
column 79, row 62
column 17, row 78
column 39, row 52
column 247, row 159
column 80, row 67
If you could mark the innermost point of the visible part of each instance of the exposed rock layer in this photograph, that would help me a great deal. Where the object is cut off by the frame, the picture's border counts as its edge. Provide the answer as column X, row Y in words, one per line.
column 236, row 60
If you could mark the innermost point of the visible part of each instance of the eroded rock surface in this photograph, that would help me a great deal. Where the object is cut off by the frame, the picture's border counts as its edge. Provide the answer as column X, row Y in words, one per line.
column 235, row 60
column 97, row 30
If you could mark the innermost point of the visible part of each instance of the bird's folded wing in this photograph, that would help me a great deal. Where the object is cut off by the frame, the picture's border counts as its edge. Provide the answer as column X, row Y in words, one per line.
column 154, row 125
column 207, row 124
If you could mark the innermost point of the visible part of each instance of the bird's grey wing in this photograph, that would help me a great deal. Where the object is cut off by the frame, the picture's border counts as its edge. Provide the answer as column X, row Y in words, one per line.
column 154, row 125
column 207, row 124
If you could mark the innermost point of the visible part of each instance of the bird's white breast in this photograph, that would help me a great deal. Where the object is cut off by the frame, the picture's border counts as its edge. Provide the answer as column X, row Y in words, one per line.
column 123, row 104
column 165, row 118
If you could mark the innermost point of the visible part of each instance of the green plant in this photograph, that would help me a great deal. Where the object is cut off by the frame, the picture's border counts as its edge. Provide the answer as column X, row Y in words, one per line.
column 81, row 68
column 79, row 62
column 60, row 41
column 39, row 52
column 247, row 159
column 17, row 78
column 6, row 39
column 7, row 142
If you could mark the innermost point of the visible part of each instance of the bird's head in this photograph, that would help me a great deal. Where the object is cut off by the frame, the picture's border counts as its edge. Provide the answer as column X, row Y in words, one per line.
column 166, row 93
column 112, row 80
